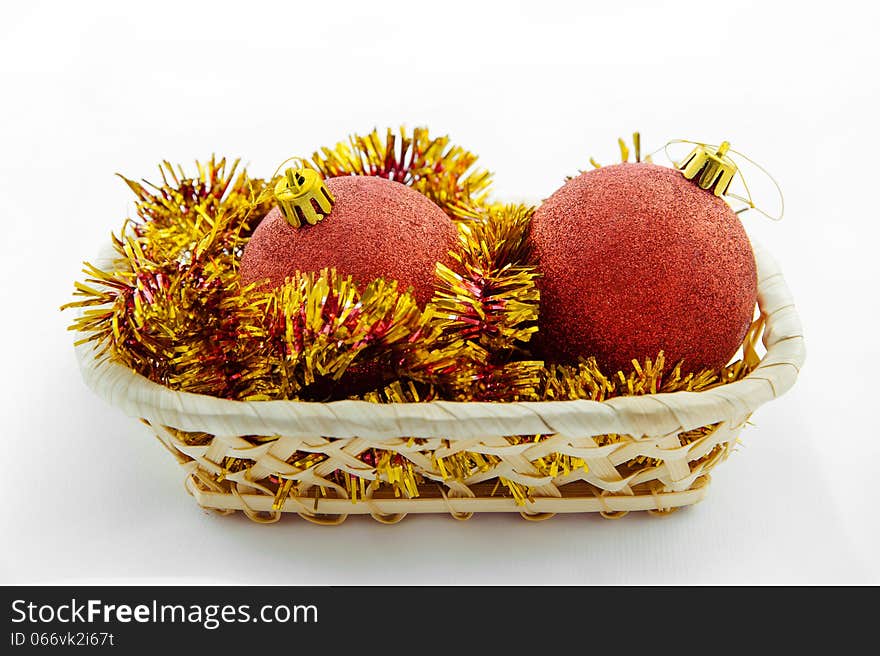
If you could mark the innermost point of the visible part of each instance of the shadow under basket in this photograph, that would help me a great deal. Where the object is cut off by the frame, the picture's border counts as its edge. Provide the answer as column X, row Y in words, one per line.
column 325, row 461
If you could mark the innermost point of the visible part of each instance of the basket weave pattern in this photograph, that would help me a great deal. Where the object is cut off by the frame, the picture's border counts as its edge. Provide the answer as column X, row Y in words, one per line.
column 649, row 452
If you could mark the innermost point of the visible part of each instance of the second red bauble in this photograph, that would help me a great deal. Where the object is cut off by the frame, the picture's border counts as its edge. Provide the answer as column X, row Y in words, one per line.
column 635, row 259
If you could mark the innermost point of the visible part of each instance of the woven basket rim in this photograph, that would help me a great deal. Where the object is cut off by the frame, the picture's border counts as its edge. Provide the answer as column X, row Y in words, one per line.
column 662, row 413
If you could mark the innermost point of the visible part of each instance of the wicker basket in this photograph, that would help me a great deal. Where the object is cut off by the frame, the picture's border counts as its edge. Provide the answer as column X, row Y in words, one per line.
column 646, row 467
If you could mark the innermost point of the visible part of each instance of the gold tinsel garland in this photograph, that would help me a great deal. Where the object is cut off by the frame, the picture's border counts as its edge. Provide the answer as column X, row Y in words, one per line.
column 484, row 311
column 172, row 308
column 442, row 171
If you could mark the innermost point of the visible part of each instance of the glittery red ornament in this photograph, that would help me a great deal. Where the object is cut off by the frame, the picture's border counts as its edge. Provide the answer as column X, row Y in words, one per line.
column 636, row 259
column 377, row 228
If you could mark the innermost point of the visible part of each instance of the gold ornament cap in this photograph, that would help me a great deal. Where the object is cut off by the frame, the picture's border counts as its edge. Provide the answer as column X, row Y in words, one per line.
column 302, row 197
column 709, row 167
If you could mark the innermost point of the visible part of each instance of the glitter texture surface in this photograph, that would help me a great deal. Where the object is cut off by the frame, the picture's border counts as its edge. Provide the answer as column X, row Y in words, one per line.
column 376, row 228
column 636, row 259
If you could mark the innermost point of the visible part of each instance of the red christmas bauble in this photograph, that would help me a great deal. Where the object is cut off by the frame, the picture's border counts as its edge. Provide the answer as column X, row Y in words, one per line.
column 377, row 228
column 635, row 259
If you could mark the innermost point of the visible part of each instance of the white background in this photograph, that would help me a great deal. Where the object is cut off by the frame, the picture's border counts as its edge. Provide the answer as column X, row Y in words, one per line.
column 88, row 89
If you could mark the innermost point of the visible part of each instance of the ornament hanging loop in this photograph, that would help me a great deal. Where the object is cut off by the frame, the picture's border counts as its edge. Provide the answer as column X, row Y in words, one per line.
column 713, row 169
column 302, row 196
column 710, row 170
